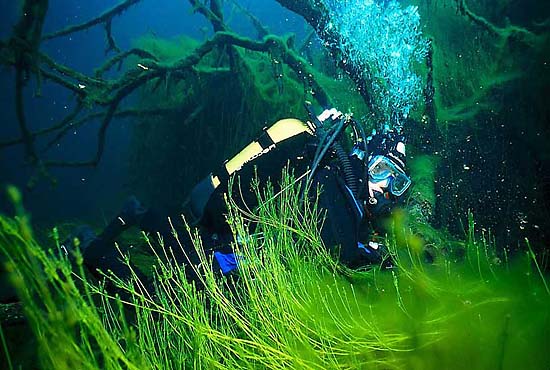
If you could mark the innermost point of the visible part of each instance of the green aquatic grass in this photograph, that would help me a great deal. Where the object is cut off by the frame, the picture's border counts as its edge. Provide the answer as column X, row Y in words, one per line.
column 295, row 306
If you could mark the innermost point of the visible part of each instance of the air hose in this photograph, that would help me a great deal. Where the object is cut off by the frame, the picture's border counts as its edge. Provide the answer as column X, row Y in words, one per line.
column 349, row 177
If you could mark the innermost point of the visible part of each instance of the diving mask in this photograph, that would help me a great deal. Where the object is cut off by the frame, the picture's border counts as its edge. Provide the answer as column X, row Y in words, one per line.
column 382, row 168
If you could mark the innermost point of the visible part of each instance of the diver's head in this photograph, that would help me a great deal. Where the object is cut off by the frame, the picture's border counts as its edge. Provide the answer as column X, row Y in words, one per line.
column 387, row 179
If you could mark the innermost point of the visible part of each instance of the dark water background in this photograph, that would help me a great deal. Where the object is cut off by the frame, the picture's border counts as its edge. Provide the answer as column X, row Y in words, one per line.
column 96, row 193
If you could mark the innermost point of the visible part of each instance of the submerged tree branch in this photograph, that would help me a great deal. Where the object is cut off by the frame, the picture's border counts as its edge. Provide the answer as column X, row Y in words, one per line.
column 212, row 17
column 119, row 58
column 25, row 43
column 27, row 137
column 70, row 123
column 132, row 112
column 270, row 43
column 69, row 72
column 111, row 44
column 519, row 34
column 153, row 69
column 95, row 91
column 103, row 18
column 58, row 126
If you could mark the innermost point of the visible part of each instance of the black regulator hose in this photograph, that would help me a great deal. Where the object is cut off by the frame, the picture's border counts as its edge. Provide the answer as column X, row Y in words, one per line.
column 349, row 176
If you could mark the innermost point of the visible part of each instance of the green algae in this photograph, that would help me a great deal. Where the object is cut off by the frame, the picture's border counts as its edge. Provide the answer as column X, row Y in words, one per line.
column 296, row 307
column 167, row 50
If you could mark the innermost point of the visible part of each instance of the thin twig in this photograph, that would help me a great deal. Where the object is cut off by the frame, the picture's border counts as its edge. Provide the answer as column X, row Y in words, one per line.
column 307, row 41
column 107, row 118
column 191, row 117
column 199, row 7
column 520, row 34
column 90, row 117
column 69, row 72
column 105, row 17
column 120, row 58
column 69, row 85
column 65, row 121
column 260, row 28
column 111, row 44
column 26, row 134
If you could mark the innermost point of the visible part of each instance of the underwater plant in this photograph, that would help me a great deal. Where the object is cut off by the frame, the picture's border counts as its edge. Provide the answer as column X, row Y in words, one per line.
column 291, row 305
column 382, row 39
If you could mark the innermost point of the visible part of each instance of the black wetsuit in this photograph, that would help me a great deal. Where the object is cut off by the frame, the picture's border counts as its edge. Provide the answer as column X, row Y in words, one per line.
column 344, row 228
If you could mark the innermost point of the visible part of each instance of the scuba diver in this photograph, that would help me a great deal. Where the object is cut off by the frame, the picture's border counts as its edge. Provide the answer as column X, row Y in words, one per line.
column 357, row 189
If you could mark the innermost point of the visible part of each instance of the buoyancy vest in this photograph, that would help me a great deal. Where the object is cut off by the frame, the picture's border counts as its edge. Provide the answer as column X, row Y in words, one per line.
column 287, row 142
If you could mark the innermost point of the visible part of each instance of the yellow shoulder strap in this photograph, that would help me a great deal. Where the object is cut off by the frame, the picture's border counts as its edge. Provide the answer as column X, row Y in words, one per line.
column 278, row 132
column 287, row 128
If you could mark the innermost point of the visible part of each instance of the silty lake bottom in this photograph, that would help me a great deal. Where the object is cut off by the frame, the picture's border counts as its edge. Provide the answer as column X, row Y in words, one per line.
column 113, row 110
